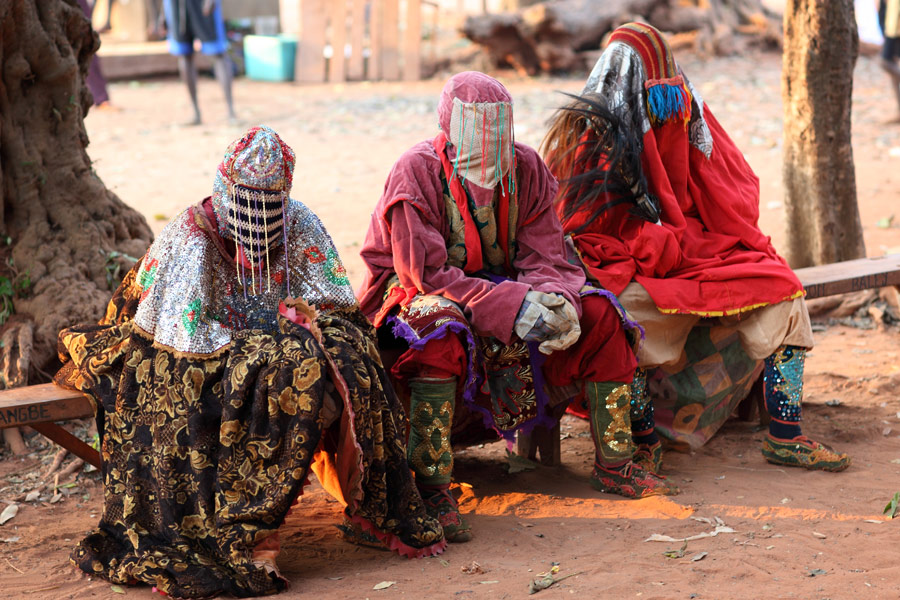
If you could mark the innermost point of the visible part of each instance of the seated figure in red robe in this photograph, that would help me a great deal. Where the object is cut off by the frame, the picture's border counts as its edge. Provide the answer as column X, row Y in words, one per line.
column 662, row 209
column 468, row 277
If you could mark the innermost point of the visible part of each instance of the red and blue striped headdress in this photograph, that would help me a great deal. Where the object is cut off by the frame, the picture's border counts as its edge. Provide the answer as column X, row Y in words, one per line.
column 668, row 98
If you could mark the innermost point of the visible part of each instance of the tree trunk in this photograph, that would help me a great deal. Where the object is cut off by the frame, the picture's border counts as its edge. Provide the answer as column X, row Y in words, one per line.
column 820, row 49
column 64, row 236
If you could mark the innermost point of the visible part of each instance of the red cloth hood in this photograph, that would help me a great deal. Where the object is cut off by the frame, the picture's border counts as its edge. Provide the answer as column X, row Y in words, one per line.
column 708, row 255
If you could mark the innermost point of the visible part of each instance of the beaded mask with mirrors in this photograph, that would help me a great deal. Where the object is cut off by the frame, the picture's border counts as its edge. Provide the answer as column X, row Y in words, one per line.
column 250, row 193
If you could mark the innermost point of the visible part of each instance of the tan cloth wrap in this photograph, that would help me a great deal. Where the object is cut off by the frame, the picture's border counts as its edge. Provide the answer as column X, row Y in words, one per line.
column 761, row 330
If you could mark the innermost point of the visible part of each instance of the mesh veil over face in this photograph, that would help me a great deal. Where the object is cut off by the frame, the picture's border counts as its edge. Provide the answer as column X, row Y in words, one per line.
column 475, row 113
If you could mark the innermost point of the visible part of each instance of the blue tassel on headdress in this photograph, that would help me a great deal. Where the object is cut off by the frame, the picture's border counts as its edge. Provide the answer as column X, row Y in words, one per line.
column 668, row 101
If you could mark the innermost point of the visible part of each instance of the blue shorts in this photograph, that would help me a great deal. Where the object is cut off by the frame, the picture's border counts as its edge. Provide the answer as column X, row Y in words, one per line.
column 185, row 23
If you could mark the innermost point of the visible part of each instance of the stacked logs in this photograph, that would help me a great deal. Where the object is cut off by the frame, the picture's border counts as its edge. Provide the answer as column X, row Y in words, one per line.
column 566, row 35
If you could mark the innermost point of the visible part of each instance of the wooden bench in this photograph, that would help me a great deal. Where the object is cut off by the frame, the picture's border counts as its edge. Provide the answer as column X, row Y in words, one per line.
column 850, row 276
column 819, row 282
column 39, row 406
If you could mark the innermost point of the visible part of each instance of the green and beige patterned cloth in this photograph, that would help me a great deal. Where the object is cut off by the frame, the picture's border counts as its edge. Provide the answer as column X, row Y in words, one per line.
column 694, row 397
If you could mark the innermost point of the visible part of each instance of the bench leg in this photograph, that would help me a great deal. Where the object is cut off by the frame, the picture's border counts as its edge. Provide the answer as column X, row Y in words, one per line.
column 541, row 440
column 14, row 439
column 755, row 405
column 57, row 434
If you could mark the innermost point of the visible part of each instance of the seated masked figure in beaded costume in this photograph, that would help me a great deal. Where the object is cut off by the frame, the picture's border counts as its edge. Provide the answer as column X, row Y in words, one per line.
column 663, row 211
column 231, row 361
column 468, row 276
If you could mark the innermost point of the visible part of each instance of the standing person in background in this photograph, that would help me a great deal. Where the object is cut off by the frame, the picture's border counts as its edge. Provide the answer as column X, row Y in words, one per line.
column 189, row 20
column 156, row 20
column 889, row 18
column 96, row 82
column 108, row 25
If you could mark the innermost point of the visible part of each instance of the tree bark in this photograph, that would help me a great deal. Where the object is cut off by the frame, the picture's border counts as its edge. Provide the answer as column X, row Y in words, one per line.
column 820, row 49
column 67, row 233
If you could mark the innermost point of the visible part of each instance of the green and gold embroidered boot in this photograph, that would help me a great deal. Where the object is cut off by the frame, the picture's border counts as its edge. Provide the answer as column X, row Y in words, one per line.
column 614, row 471
column 429, row 454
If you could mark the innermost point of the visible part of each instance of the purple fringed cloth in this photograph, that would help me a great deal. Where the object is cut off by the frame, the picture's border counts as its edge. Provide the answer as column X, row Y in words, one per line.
column 504, row 388
column 503, row 385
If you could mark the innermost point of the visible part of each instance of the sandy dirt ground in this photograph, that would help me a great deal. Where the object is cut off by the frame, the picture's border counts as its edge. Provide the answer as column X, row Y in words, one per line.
column 793, row 534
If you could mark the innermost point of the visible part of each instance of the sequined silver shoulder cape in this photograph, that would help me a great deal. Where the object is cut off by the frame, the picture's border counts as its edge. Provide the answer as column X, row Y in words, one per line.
column 193, row 296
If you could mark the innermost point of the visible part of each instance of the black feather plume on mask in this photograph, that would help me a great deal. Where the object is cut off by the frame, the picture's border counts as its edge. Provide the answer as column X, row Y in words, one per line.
column 605, row 167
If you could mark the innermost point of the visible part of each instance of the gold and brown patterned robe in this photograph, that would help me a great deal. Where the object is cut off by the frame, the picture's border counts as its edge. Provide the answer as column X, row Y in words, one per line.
column 203, row 453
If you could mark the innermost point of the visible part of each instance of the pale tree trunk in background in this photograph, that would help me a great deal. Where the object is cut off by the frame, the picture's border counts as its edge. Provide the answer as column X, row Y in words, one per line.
column 821, row 215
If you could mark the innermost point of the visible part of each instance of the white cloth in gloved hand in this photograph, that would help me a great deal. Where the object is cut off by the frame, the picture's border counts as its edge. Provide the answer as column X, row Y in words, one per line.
column 537, row 320
column 570, row 332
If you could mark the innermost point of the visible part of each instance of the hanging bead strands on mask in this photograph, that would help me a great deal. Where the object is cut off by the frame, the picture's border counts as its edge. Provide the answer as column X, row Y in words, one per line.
column 249, row 207
column 252, row 184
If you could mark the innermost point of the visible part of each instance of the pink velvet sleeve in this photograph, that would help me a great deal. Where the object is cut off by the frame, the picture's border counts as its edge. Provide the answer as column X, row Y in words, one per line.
column 541, row 258
column 420, row 256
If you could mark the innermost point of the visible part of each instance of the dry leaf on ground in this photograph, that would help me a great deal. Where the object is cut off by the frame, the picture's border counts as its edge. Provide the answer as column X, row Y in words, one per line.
column 656, row 537
column 383, row 585
column 8, row 513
